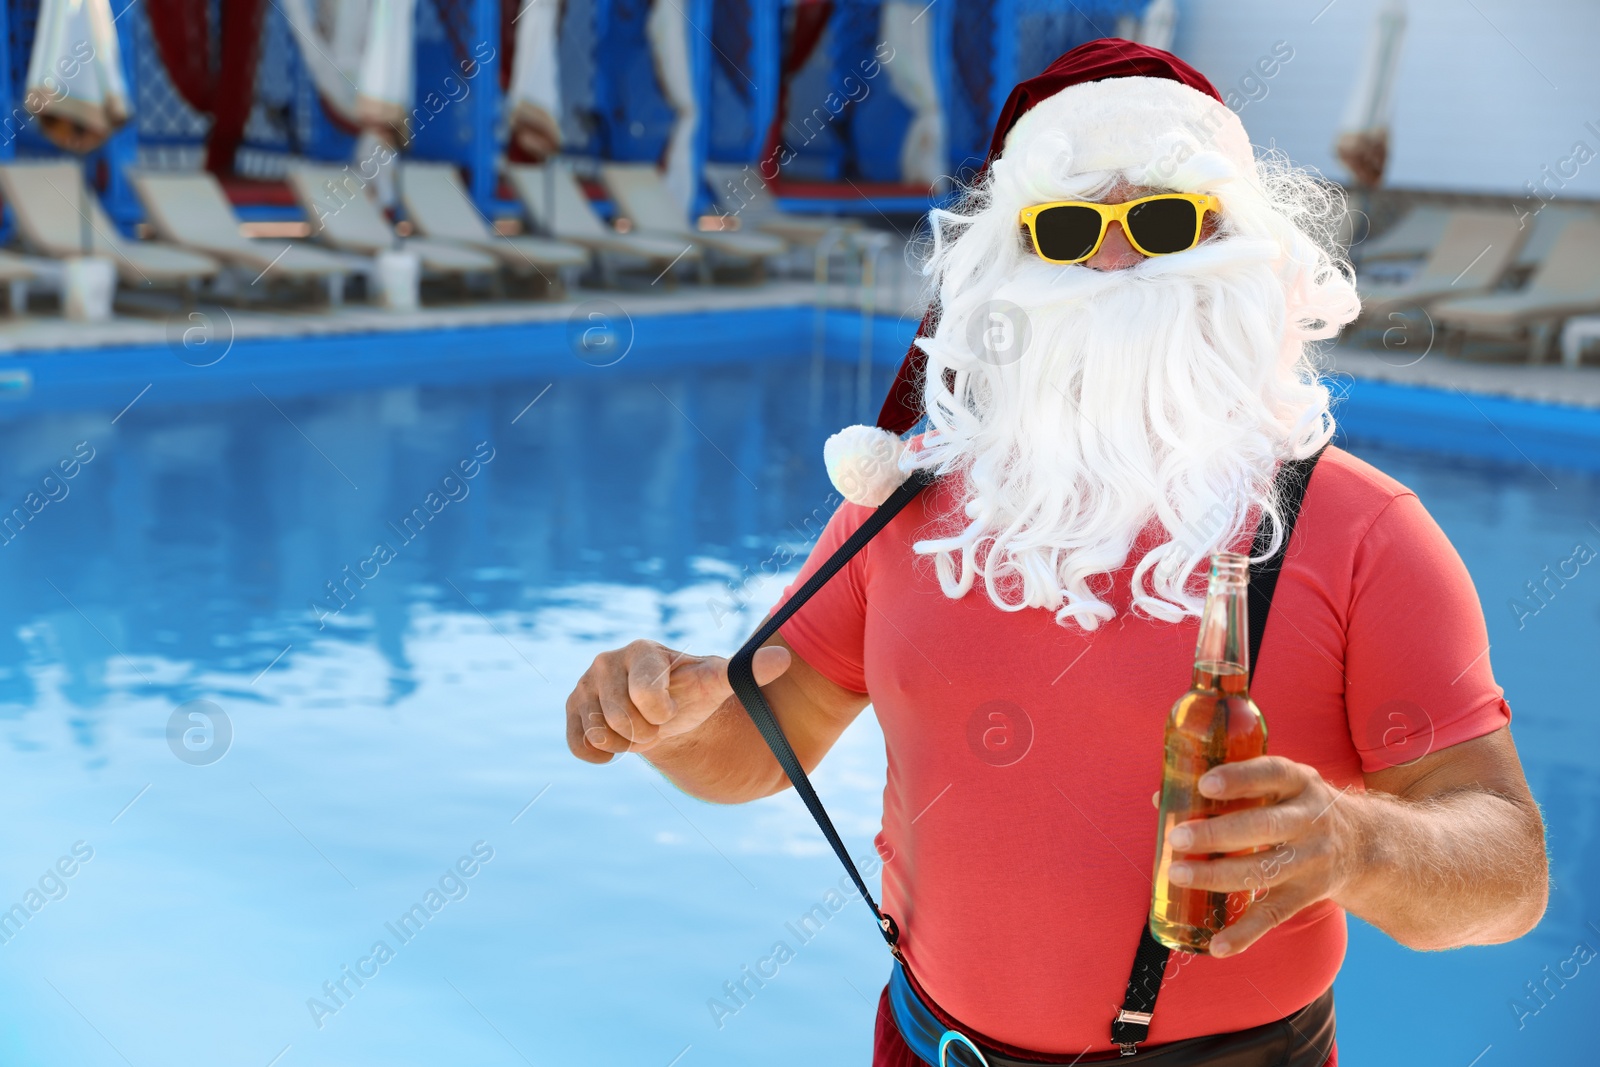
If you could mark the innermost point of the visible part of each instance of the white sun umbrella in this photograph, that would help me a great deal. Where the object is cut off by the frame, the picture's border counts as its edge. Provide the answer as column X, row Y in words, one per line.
column 332, row 36
column 668, row 32
column 75, row 86
column 1363, row 141
column 1158, row 26
column 911, row 78
column 533, row 100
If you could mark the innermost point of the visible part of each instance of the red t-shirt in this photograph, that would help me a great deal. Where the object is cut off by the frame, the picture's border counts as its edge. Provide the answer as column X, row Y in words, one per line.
column 1022, row 754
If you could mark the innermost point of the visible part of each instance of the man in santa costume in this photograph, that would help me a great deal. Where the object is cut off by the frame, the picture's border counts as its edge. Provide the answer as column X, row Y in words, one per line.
column 1106, row 404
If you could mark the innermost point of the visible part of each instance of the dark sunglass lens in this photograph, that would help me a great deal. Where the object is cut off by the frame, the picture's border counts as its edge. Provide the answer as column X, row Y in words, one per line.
column 1065, row 233
column 1163, row 226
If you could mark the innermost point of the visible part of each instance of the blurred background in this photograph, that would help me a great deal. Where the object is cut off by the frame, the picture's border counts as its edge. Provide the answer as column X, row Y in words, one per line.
column 370, row 365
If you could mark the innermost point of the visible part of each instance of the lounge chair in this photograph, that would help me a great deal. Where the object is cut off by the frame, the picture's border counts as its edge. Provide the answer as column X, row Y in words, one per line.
column 1413, row 237
column 741, row 192
column 345, row 218
column 1543, row 230
column 1567, row 283
column 15, row 274
column 644, row 199
column 1475, row 250
column 192, row 210
column 48, row 202
column 557, row 204
column 440, row 209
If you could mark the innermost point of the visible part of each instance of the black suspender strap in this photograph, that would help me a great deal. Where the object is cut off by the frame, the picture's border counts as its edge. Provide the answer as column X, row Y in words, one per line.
column 741, row 676
column 1293, row 478
column 1131, row 1024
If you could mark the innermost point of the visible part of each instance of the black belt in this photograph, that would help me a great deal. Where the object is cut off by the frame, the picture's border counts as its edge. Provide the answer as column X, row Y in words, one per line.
column 1303, row 1039
column 1131, row 1024
column 1300, row 1040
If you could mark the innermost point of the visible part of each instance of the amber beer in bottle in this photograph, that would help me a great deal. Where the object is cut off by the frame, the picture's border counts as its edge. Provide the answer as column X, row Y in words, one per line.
column 1214, row 722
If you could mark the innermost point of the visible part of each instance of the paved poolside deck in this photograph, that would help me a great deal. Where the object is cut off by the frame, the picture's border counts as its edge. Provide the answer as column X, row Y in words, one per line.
column 1549, row 383
column 1484, row 371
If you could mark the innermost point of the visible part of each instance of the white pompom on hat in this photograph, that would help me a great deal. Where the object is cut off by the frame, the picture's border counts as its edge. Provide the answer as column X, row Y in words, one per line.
column 864, row 464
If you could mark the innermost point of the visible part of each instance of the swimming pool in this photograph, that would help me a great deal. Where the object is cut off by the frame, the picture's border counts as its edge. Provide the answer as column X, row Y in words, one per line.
column 382, row 577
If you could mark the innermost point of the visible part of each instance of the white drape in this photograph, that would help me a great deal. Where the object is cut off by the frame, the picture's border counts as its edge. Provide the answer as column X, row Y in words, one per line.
column 1371, row 103
column 533, row 101
column 360, row 53
column 1363, row 141
column 362, row 58
column 75, row 83
column 332, row 35
column 668, row 32
column 388, row 65
column 1158, row 26
column 906, row 30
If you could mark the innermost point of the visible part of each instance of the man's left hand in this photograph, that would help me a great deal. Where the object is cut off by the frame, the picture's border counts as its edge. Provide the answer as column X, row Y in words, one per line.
column 1308, row 845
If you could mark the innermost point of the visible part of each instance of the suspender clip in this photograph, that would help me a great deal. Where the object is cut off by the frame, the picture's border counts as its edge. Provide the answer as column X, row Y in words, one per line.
column 891, row 934
column 1131, row 1018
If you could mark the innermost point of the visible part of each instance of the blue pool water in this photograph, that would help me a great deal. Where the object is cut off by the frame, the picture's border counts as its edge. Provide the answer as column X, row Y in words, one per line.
column 412, row 740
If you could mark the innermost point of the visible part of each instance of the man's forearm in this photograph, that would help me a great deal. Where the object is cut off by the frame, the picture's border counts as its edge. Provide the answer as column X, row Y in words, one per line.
column 723, row 761
column 1464, row 868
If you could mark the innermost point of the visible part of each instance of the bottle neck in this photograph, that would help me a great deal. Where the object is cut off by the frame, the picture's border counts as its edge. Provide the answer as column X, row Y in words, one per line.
column 1222, row 654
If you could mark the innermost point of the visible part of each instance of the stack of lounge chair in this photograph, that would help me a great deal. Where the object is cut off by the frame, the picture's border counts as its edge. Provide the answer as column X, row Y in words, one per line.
column 191, row 210
column 642, row 197
column 1566, row 283
column 441, row 210
column 1543, row 229
column 741, row 192
column 1413, row 237
column 557, row 205
column 345, row 218
column 1468, row 282
column 55, row 210
column 1470, row 257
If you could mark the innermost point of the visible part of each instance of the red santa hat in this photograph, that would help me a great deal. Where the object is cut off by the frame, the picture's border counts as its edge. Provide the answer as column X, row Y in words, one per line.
column 1120, row 105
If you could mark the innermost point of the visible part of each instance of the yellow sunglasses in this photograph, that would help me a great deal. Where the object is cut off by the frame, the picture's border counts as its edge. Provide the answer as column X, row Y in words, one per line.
column 1071, row 231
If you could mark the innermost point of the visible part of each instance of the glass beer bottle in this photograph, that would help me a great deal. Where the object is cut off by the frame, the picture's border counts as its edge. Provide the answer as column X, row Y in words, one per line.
column 1214, row 722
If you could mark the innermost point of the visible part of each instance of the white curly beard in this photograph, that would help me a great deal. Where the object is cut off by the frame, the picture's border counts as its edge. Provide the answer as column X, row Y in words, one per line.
column 1148, row 412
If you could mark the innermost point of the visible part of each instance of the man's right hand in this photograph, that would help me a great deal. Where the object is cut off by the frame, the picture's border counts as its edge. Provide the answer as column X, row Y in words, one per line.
column 634, row 698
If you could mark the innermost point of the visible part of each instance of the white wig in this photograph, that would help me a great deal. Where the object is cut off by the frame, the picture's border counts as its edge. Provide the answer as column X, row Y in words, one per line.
column 1148, row 408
